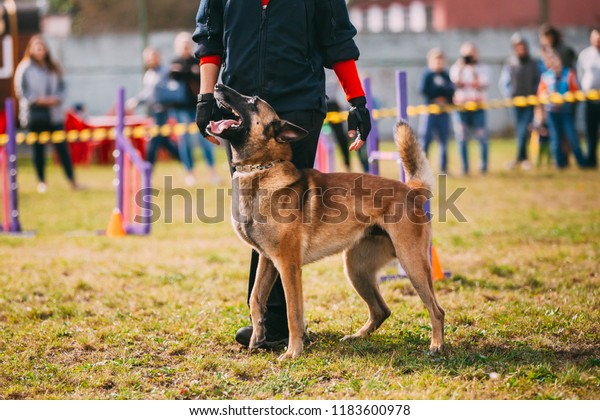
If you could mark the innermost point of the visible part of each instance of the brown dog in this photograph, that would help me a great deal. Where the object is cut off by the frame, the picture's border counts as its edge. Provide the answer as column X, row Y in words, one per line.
column 294, row 217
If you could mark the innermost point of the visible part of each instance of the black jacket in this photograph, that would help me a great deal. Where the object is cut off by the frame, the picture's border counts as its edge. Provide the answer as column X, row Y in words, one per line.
column 187, row 71
column 436, row 84
column 277, row 53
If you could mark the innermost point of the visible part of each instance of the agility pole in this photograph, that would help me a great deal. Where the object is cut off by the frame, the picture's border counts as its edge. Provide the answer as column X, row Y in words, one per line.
column 325, row 158
column 133, row 177
column 8, row 167
column 376, row 155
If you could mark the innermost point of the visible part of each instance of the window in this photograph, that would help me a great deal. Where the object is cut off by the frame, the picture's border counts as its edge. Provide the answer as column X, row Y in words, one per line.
column 357, row 18
column 418, row 17
column 375, row 22
column 396, row 18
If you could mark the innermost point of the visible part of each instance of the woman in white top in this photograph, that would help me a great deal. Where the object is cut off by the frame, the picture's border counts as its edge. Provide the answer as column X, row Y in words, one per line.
column 40, row 88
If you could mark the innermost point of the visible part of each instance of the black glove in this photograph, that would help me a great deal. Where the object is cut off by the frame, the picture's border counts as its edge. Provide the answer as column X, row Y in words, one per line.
column 207, row 110
column 359, row 117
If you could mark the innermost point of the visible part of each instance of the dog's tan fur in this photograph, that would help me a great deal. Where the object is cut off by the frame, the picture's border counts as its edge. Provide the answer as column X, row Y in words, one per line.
column 316, row 225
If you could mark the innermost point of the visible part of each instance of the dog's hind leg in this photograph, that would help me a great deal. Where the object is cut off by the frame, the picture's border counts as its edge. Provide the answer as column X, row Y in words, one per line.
column 414, row 257
column 361, row 264
column 266, row 274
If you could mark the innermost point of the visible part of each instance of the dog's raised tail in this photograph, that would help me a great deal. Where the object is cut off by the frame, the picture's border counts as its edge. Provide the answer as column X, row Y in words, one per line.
column 416, row 165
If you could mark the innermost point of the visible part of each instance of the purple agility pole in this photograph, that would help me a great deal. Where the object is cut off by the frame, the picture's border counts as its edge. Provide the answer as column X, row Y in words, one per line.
column 123, row 148
column 11, row 154
column 373, row 139
column 402, row 105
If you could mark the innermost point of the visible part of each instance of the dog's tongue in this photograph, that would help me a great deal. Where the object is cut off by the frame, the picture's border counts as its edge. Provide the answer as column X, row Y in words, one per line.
column 217, row 127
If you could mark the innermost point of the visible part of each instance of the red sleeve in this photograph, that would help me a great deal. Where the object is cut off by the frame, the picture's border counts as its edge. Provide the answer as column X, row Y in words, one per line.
column 211, row 59
column 347, row 74
column 573, row 85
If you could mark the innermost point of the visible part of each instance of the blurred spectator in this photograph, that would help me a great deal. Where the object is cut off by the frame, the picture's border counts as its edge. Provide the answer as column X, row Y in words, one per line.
column 471, row 80
column 588, row 70
column 552, row 39
column 185, row 68
column 437, row 89
column 520, row 77
column 40, row 87
column 332, row 86
column 152, row 76
column 561, row 118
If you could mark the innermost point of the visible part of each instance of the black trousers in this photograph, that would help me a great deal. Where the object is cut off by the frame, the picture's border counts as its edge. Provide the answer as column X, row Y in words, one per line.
column 592, row 124
column 39, row 154
column 160, row 141
column 303, row 157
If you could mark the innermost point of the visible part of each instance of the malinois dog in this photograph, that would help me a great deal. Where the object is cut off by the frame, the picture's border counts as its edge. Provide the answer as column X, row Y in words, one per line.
column 294, row 217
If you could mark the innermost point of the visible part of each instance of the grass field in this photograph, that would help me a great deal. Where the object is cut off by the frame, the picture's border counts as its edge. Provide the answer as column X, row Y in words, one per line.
column 89, row 317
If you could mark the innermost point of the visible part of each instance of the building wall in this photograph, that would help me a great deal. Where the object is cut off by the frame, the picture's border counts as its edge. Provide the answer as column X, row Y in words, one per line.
column 466, row 14
column 575, row 12
column 473, row 14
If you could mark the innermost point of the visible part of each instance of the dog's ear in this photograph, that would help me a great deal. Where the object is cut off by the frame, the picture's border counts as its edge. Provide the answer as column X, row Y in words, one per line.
column 286, row 132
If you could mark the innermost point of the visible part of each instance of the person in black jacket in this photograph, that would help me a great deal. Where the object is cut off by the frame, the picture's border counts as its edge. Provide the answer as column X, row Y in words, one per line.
column 277, row 50
column 520, row 78
column 438, row 89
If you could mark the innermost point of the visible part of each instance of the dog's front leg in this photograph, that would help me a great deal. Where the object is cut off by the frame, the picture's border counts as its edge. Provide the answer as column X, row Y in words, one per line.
column 291, row 277
column 266, row 274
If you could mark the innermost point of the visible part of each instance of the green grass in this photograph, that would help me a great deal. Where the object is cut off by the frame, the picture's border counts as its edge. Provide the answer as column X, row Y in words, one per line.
column 88, row 317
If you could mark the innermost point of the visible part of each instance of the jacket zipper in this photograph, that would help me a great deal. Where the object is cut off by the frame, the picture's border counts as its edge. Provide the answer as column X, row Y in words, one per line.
column 262, row 33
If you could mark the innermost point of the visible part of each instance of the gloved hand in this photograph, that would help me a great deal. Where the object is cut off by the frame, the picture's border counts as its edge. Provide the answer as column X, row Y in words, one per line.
column 359, row 119
column 207, row 110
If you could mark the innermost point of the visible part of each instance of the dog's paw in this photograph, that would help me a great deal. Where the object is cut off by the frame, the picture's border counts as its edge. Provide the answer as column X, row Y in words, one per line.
column 293, row 352
column 436, row 349
column 256, row 342
column 289, row 355
column 353, row 337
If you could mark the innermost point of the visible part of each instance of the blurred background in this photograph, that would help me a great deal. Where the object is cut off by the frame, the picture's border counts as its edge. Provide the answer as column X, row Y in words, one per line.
column 100, row 42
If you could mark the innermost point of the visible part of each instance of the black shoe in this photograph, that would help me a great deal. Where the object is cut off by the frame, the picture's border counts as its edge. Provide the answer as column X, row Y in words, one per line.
column 274, row 341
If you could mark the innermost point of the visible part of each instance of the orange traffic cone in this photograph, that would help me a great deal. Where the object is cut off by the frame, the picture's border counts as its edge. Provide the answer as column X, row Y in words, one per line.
column 438, row 272
column 115, row 226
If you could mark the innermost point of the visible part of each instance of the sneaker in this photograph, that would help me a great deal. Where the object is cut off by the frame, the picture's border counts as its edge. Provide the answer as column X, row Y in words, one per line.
column 526, row 165
column 78, row 187
column 42, row 187
column 275, row 341
column 190, row 180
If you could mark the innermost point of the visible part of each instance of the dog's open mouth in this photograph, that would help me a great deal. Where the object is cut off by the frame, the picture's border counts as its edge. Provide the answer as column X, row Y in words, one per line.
column 232, row 120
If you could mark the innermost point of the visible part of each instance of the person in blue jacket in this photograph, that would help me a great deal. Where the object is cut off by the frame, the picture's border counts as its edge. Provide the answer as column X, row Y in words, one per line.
column 277, row 50
column 437, row 89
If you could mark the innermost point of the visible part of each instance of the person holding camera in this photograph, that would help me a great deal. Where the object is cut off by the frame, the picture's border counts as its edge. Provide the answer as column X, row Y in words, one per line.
column 471, row 80
column 147, row 96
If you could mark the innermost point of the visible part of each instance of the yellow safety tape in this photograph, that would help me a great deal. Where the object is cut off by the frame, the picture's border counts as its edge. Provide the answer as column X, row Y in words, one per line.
column 100, row 134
